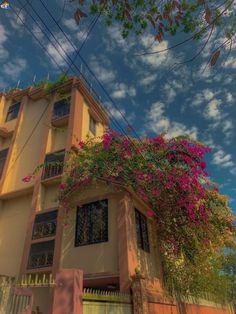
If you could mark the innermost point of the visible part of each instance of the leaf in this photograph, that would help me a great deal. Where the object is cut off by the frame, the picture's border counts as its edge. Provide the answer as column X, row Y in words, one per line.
column 78, row 14
column 215, row 57
column 208, row 15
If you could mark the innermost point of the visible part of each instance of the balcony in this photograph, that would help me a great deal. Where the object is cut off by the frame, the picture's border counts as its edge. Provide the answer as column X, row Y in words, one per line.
column 53, row 165
column 61, row 111
column 41, row 255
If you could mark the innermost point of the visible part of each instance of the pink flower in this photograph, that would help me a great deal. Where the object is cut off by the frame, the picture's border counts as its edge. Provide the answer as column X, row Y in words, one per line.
column 203, row 164
column 61, row 186
column 27, row 178
column 150, row 213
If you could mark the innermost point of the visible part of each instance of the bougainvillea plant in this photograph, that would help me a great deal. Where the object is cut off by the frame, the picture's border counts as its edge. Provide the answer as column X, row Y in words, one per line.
column 194, row 223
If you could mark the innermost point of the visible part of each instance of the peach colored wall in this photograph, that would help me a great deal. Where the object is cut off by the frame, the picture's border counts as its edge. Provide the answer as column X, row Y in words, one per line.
column 201, row 309
column 93, row 258
column 85, row 129
column 50, row 196
column 29, row 157
column 57, row 139
column 42, row 299
column 14, row 215
column 156, row 308
column 5, row 142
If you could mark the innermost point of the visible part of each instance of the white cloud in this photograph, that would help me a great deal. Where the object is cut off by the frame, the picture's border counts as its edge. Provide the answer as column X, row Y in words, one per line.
column 212, row 110
column 115, row 40
column 221, row 159
column 121, row 91
column 14, row 68
column 59, row 51
column 230, row 63
column 233, row 171
column 157, row 59
column 3, row 39
column 158, row 122
column 147, row 80
column 229, row 98
column 202, row 97
column 103, row 70
column 73, row 27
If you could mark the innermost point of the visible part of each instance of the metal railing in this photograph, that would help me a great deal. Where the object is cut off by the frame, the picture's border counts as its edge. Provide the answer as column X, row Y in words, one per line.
column 40, row 260
column 52, row 169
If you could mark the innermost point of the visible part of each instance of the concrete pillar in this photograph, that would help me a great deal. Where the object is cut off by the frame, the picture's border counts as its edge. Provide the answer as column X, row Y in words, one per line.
column 140, row 301
column 68, row 292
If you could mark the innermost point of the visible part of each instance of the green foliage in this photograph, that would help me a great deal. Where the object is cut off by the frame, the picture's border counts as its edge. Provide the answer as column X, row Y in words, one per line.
column 52, row 86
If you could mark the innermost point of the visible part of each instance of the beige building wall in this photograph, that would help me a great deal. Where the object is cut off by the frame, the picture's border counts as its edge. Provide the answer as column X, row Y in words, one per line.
column 29, row 157
column 149, row 262
column 14, row 214
column 93, row 258
column 85, row 129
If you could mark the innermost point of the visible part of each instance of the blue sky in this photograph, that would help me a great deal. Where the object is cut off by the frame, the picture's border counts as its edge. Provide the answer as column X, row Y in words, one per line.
column 152, row 92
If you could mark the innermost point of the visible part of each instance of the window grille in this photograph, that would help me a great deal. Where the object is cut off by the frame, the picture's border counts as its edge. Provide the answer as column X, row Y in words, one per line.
column 3, row 157
column 53, row 164
column 92, row 223
column 12, row 112
column 142, row 231
column 41, row 254
column 61, row 108
column 45, row 225
column 92, row 125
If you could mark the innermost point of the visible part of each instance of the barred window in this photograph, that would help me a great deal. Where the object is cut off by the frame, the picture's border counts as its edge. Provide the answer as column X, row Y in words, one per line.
column 3, row 157
column 142, row 231
column 61, row 108
column 41, row 254
column 12, row 112
column 45, row 225
column 92, row 125
column 92, row 223
column 54, row 164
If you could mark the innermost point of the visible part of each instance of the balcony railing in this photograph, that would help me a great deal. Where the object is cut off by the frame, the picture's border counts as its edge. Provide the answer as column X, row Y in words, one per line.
column 44, row 229
column 40, row 260
column 52, row 169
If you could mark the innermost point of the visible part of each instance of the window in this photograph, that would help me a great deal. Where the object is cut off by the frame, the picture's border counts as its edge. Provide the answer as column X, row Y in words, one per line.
column 53, row 164
column 142, row 231
column 61, row 108
column 3, row 157
column 41, row 255
column 92, row 223
column 92, row 125
column 12, row 112
column 45, row 225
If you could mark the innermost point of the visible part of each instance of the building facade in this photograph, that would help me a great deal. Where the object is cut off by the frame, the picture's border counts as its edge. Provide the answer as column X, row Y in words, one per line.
column 107, row 234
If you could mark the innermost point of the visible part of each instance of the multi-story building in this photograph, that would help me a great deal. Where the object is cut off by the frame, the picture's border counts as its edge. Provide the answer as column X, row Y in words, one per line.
column 108, row 235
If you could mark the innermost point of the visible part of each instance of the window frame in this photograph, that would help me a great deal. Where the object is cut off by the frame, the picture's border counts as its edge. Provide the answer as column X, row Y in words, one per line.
column 47, row 252
column 45, row 164
column 4, row 157
column 142, row 231
column 90, row 224
column 92, row 125
column 48, row 220
column 11, row 109
column 67, row 104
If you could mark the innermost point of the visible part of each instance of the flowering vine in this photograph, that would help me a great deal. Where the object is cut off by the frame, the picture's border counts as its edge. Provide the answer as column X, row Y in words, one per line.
column 194, row 222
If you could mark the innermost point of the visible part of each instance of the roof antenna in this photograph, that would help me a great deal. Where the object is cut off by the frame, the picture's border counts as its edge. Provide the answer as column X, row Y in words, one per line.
column 34, row 79
column 18, row 83
column 48, row 77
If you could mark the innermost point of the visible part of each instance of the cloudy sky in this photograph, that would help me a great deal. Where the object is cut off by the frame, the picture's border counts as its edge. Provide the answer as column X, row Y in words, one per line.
column 153, row 93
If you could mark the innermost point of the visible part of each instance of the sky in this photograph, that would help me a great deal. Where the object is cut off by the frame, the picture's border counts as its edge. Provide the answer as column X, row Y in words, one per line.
column 153, row 93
